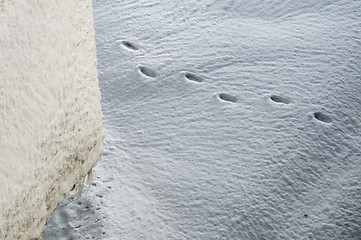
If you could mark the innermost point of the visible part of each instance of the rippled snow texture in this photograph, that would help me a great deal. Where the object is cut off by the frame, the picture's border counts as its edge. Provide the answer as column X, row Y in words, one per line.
column 260, row 141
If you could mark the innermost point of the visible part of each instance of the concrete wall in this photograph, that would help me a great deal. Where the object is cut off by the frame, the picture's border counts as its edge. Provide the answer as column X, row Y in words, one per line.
column 50, row 115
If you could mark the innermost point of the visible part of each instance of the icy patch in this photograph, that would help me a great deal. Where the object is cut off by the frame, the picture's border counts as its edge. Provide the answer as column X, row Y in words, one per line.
column 86, row 181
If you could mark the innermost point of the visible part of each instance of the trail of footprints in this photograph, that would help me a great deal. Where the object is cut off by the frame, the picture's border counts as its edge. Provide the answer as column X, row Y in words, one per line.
column 227, row 97
column 193, row 77
column 279, row 99
column 322, row 117
column 148, row 72
column 130, row 45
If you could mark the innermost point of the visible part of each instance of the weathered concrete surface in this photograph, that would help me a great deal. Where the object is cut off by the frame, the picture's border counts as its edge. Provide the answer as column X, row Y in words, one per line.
column 50, row 115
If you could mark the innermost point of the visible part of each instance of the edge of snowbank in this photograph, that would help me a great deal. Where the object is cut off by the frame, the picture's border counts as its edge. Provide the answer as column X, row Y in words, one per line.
column 50, row 115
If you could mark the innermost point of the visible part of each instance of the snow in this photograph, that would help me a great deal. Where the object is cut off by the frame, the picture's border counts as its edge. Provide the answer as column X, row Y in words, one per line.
column 50, row 115
column 225, row 120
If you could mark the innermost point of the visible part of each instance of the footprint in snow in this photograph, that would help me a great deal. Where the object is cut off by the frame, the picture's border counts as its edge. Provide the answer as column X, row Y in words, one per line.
column 193, row 77
column 130, row 45
column 147, row 71
column 279, row 99
column 322, row 117
column 227, row 97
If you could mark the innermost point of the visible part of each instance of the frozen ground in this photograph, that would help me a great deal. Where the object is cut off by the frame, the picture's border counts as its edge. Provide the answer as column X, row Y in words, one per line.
column 225, row 120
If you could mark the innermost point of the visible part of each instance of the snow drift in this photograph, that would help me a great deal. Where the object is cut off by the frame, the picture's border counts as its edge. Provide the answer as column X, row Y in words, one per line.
column 225, row 120
column 50, row 115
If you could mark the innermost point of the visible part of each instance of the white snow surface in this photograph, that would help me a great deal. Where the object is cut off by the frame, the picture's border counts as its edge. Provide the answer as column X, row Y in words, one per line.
column 51, row 131
column 225, row 120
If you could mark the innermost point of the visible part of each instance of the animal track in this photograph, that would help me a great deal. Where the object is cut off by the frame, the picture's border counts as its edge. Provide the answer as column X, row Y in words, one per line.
column 193, row 77
column 227, row 97
column 279, row 99
column 147, row 71
column 322, row 117
column 130, row 45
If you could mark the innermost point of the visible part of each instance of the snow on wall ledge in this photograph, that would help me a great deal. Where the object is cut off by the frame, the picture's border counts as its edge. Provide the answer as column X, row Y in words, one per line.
column 50, row 115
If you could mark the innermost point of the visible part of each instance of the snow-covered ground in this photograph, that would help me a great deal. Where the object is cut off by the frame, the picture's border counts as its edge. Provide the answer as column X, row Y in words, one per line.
column 225, row 120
